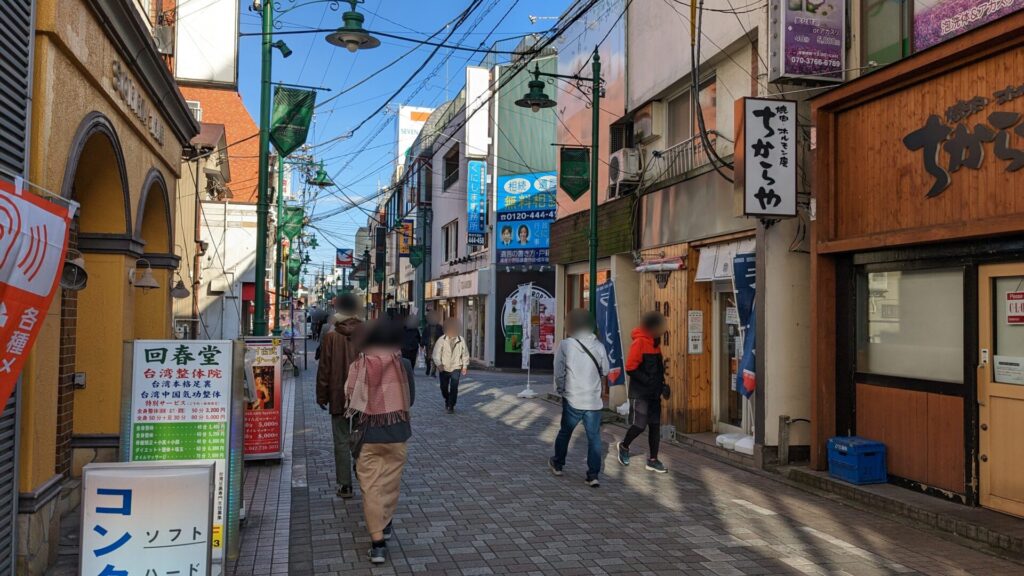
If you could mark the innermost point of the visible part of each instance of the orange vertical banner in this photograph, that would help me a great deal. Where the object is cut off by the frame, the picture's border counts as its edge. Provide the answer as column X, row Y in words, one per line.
column 33, row 244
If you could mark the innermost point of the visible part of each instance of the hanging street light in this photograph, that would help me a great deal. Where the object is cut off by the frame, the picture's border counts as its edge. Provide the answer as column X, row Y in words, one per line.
column 537, row 99
column 320, row 179
column 352, row 36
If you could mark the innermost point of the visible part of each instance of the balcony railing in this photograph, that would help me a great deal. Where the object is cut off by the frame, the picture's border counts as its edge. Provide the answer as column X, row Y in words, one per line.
column 680, row 160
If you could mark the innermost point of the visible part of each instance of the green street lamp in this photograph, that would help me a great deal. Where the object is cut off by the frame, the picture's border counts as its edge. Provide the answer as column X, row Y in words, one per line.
column 352, row 36
column 535, row 100
column 320, row 179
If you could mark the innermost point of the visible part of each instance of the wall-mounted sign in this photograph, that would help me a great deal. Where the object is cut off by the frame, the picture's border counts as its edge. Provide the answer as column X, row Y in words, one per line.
column 476, row 202
column 134, row 99
column 343, row 258
column 263, row 438
column 525, row 211
column 181, row 409
column 963, row 136
column 406, row 235
column 807, row 40
column 768, row 142
column 33, row 242
column 574, row 171
column 1015, row 308
column 695, row 332
column 147, row 518
column 939, row 20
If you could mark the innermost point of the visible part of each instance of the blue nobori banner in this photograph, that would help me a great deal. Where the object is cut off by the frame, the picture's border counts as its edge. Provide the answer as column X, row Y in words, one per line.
column 525, row 210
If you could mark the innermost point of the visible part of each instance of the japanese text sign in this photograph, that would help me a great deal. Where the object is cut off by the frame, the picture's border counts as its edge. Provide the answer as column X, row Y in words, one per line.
column 476, row 202
column 808, row 39
column 962, row 132
column 263, row 414
column 146, row 519
column 769, row 142
column 525, row 210
column 33, row 241
column 406, row 234
column 939, row 20
column 343, row 258
column 1015, row 308
column 181, row 410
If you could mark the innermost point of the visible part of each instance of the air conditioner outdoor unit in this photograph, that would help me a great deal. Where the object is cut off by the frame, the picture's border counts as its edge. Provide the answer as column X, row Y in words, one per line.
column 623, row 168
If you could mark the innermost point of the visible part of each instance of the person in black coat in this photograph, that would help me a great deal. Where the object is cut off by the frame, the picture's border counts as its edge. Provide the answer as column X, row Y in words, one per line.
column 411, row 340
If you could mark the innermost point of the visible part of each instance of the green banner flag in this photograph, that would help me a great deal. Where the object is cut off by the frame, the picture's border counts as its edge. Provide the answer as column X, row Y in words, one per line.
column 416, row 254
column 363, row 283
column 292, row 220
column 574, row 172
column 289, row 122
column 293, row 283
column 294, row 266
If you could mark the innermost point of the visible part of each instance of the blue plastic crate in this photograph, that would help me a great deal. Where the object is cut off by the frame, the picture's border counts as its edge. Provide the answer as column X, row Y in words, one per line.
column 857, row 460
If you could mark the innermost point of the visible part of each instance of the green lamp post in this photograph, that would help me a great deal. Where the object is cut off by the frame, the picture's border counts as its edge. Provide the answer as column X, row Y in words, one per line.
column 536, row 100
column 353, row 37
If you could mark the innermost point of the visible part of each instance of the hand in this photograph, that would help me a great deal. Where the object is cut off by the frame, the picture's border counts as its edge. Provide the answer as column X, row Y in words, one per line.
column 322, row 406
column 666, row 392
column 464, row 371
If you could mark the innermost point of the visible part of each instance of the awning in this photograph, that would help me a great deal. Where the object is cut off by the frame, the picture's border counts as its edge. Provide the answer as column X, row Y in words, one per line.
column 715, row 261
column 662, row 265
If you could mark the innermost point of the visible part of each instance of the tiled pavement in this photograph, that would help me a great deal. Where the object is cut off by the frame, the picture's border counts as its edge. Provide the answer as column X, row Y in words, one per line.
column 478, row 499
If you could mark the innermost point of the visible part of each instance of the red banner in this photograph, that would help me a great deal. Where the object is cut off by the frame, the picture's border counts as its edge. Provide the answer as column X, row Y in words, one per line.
column 33, row 242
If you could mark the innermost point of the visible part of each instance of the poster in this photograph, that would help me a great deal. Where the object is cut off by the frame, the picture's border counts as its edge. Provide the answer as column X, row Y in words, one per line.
column 144, row 518
column 33, row 242
column 812, row 36
column 608, row 331
column 263, row 415
column 1009, row 369
column 476, row 202
column 695, row 332
column 939, row 20
column 181, row 403
column 541, row 307
column 343, row 258
column 525, row 211
column 745, row 273
column 1015, row 308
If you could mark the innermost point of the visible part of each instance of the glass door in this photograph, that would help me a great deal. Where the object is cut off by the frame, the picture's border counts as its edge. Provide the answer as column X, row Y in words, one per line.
column 730, row 402
column 1001, row 387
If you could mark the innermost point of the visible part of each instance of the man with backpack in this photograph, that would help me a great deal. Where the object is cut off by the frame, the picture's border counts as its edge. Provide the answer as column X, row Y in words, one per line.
column 581, row 365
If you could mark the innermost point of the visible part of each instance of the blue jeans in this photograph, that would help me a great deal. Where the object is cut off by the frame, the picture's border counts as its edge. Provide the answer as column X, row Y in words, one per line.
column 571, row 417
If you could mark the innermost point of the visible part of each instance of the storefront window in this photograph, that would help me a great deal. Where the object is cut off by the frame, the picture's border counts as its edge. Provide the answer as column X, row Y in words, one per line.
column 910, row 324
column 886, row 30
column 578, row 289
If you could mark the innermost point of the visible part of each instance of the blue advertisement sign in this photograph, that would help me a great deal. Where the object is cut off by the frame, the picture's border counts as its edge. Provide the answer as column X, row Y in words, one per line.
column 608, row 331
column 525, row 211
column 476, row 202
column 744, row 274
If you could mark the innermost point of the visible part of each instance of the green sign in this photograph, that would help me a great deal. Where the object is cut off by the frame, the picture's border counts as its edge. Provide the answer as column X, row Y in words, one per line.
column 416, row 255
column 292, row 220
column 289, row 122
column 363, row 283
column 574, row 172
column 378, row 276
column 294, row 265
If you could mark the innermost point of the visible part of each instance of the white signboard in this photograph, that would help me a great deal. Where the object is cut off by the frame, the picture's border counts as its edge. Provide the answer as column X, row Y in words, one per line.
column 206, row 41
column 410, row 122
column 695, row 331
column 181, row 410
column 769, row 143
column 143, row 518
column 1009, row 369
column 477, row 117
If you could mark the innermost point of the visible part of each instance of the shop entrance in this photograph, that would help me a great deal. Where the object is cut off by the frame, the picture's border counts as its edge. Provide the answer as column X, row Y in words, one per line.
column 1001, row 387
column 728, row 402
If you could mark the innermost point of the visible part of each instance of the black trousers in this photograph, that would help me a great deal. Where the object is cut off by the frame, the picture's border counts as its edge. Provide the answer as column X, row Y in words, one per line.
column 645, row 413
column 410, row 355
column 450, row 387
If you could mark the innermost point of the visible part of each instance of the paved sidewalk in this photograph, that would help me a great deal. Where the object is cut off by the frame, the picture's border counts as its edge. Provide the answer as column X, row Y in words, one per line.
column 478, row 499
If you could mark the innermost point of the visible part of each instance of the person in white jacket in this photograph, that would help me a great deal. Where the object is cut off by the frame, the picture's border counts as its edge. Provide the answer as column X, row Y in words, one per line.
column 581, row 365
column 451, row 356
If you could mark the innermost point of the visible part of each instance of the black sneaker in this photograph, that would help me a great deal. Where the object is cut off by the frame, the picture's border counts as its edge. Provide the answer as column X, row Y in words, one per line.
column 345, row 492
column 389, row 530
column 378, row 553
column 656, row 466
column 451, row 409
column 556, row 470
column 593, row 483
column 623, row 454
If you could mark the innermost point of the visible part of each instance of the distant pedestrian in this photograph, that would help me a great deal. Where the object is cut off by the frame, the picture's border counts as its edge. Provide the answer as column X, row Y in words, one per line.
column 380, row 391
column 412, row 341
column 431, row 334
column 581, row 364
column 646, row 368
column 452, row 359
column 327, row 327
column 338, row 349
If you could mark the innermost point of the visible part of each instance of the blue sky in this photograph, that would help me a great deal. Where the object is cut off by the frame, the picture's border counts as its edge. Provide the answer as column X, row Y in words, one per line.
column 364, row 160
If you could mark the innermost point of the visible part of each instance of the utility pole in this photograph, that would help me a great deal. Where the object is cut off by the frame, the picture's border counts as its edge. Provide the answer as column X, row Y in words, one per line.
column 259, row 321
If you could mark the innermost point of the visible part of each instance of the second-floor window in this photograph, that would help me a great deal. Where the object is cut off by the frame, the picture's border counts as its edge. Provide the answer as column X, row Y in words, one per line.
column 451, row 240
column 451, row 167
column 196, row 109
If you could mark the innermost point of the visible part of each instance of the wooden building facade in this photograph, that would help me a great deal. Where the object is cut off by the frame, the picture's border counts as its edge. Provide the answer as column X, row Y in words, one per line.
column 918, row 267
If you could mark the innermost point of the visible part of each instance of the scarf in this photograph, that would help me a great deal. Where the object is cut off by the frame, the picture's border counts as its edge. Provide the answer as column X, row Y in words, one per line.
column 377, row 389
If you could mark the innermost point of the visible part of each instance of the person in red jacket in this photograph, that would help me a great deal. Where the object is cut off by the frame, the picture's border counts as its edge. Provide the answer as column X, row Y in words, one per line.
column 646, row 368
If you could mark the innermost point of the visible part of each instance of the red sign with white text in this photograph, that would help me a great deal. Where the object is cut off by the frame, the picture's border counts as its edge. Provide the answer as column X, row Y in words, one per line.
column 1015, row 307
column 263, row 429
column 33, row 241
